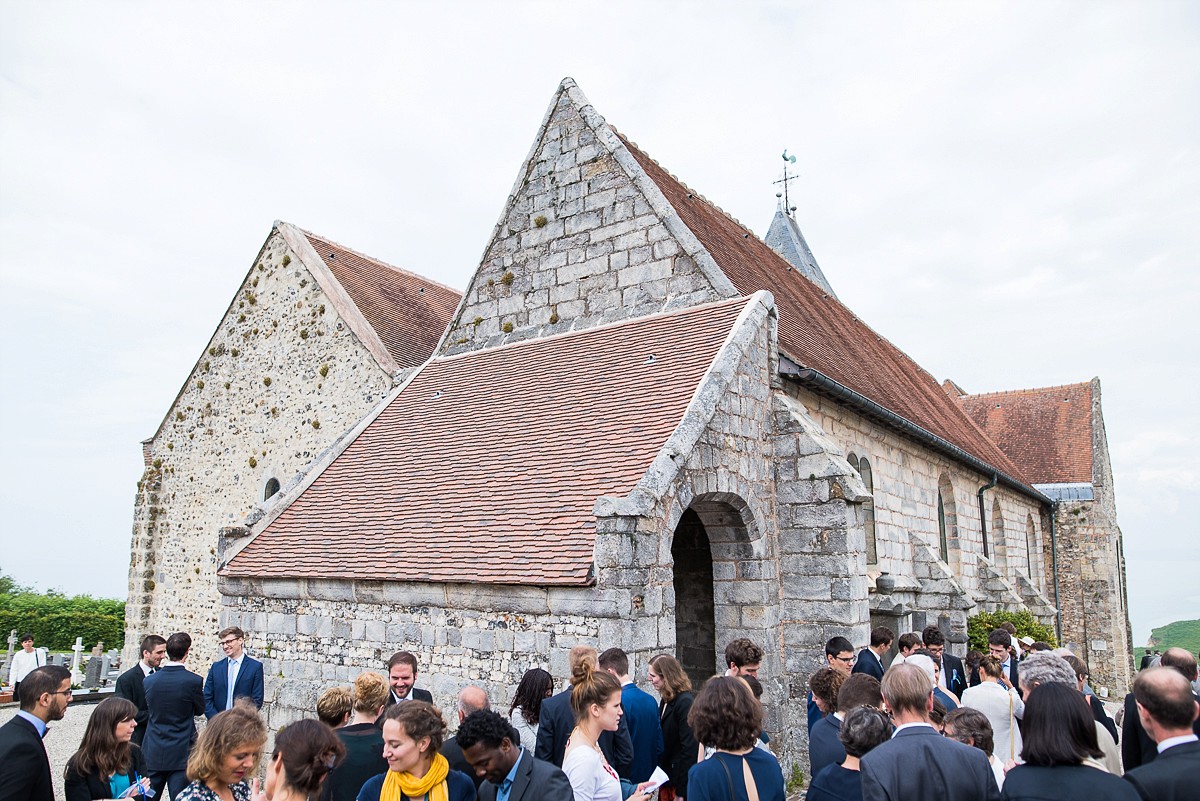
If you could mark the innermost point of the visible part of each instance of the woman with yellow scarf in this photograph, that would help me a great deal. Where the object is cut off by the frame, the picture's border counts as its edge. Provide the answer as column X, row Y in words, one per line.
column 412, row 736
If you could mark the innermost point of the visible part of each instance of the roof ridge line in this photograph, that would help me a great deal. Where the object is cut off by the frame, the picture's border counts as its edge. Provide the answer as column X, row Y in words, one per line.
column 380, row 262
column 1027, row 390
column 601, row 327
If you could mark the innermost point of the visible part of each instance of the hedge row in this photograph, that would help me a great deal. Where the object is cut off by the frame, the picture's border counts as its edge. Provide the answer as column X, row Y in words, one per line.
column 58, row 631
column 981, row 625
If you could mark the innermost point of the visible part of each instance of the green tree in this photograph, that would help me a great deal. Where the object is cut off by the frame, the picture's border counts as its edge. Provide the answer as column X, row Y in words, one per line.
column 981, row 625
column 56, row 619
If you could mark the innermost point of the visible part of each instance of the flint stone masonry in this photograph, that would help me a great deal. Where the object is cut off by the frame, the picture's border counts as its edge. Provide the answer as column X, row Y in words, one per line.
column 280, row 380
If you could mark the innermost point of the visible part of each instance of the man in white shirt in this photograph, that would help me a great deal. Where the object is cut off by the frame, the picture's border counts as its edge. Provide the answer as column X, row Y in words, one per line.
column 908, row 644
column 1166, row 709
column 24, row 662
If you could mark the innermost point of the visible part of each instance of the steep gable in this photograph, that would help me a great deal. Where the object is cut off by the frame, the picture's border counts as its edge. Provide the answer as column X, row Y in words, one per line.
column 585, row 238
column 1048, row 432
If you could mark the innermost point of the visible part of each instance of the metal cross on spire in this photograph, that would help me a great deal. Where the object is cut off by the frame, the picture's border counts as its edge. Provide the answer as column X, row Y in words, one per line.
column 788, row 208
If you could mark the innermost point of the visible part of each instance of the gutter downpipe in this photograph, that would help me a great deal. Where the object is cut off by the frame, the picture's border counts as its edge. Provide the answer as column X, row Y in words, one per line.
column 982, row 517
column 1054, row 569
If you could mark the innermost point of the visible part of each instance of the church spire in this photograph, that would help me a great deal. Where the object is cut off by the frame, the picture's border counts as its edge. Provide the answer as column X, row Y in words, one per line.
column 784, row 235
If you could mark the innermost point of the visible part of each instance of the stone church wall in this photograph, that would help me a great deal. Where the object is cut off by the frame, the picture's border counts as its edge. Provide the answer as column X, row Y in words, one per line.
column 281, row 379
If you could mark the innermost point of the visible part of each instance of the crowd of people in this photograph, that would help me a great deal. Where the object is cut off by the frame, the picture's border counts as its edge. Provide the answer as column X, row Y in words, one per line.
column 1015, row 723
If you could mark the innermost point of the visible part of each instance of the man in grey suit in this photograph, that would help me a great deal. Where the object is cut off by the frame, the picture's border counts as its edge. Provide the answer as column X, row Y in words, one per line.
column 1167, row 709
column 918, row 762
column 493, row 747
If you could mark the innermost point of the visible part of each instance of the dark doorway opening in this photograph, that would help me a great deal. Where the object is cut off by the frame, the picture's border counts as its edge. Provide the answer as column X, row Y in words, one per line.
column 695, row 624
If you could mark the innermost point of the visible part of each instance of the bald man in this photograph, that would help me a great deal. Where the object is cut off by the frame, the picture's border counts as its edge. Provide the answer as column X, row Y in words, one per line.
column 1137, row 746
column 1167, row 709
column 470, row 699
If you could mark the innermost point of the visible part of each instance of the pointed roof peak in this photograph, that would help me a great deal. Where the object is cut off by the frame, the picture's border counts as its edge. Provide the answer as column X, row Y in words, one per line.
column 784, row 238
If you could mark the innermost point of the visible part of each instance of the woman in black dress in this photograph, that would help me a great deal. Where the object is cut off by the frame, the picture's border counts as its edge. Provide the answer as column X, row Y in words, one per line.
column 679, row 744
column 107, row 763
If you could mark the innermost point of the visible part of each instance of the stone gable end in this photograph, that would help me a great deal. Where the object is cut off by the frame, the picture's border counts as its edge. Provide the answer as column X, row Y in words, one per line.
column 282, row 377
column 586, row 238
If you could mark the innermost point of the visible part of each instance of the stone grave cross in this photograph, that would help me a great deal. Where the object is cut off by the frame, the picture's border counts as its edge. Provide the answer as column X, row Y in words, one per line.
column 76, row 676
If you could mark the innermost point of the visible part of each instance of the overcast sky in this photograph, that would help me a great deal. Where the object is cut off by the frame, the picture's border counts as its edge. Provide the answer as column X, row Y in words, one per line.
column 1008, row 191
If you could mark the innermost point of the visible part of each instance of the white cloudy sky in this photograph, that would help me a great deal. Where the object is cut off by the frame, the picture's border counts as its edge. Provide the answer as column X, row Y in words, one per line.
column 1009, row 191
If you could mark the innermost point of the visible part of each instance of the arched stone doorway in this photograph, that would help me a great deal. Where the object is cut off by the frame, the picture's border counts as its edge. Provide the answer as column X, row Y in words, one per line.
column 722, row 577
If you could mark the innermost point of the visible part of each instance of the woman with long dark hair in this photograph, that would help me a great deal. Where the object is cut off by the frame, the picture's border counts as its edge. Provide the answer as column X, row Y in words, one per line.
column 679, row 744
column 1060, row 752
column 107, row 763
column 536, row 686
column 305, row 752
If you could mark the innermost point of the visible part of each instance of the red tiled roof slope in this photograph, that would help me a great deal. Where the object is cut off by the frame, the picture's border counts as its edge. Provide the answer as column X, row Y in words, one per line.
column 818, row 331
column 487, row 465
column 1047, row 432
column 408, row 312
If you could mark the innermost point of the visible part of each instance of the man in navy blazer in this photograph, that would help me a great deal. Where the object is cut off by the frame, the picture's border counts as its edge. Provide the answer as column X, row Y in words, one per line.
column 493, row 748
column 1167, row 710
column 952, row 676
column 174, row 697
column 24, row 766
column 918, row 762
column 557, row 720
column 870, row 659
column 641, row 715
column 235, row 676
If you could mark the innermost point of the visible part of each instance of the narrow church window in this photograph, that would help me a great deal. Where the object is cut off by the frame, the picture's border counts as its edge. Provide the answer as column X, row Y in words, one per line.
column 944, row 546
column 999, row 539
column 271, row 489
column 1033, row 555
column 864, row 472
column 947, row 517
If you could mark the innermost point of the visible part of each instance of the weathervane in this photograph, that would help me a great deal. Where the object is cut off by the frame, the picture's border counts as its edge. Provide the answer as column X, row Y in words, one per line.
column 785, row 180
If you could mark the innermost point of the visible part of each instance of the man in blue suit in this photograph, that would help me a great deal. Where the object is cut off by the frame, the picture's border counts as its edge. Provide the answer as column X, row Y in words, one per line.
column 174, row 697
column 235, row 676
column 918, row 762
column 870, row 659
column 641, row 715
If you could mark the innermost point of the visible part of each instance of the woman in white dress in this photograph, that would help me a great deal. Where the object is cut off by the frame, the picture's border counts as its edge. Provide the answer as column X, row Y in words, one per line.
column 596, row 702
column 995, row 697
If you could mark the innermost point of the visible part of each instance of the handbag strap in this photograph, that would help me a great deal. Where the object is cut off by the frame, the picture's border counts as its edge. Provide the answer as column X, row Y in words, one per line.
column 728, row 776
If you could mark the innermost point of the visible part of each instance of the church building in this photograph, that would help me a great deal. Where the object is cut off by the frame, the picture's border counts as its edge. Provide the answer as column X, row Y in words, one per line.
column 640, row 425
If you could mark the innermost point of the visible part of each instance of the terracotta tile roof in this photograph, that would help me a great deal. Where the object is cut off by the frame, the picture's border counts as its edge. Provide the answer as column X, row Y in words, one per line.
column 1047, row 432
column 817, row 331
column 408, row 312
column 487, row 464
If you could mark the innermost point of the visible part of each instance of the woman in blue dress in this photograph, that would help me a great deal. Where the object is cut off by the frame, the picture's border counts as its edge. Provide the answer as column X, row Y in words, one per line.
column 726, row 716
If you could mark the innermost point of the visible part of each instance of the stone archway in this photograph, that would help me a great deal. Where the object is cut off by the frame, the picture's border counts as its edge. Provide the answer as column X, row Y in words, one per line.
column 722, row 585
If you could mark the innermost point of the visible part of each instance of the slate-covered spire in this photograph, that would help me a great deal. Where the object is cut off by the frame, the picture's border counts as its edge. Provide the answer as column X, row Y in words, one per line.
column 784, row 238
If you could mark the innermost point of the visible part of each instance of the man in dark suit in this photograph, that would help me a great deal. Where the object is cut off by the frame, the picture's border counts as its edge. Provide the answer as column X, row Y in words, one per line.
column 824, row 742
column 1137, row 746
column 402, row 676
column 557, row 720
column 174, row 696
column 236, row 676
column 130, row 683
column 870, row 659
column 952, row 677
column 470, row 699
column 1000, row 647
column 493, row 747
column 918, row 762
column 641, row 715
column 1167, row 709
column 1146, row 657
column 24, row 766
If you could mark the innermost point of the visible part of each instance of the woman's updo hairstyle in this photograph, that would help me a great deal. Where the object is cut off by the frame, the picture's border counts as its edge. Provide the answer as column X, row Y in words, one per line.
column 309, row 750
column 991, row 666
column 590, row 684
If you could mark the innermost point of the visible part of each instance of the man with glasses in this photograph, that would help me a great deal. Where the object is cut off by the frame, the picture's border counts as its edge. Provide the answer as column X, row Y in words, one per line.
column 839, row 655
column 951, row 675
column 24, row 766
column 174, row 697
column 235, row 676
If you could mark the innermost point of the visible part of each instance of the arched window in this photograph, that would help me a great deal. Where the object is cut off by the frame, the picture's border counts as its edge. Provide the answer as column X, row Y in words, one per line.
column 1033, row 552
column 947, row 517
column 863, row 467
column 271, row 489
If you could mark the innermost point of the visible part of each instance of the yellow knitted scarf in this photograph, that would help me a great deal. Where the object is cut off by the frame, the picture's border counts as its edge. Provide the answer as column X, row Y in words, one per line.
column 430, row 787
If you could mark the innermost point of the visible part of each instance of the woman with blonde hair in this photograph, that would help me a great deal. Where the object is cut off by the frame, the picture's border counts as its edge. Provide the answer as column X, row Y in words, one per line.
column 107, row 763
column 596, row 702
column 362, row 739
column 226, row 754
column 413, row 732
column 679, row 744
